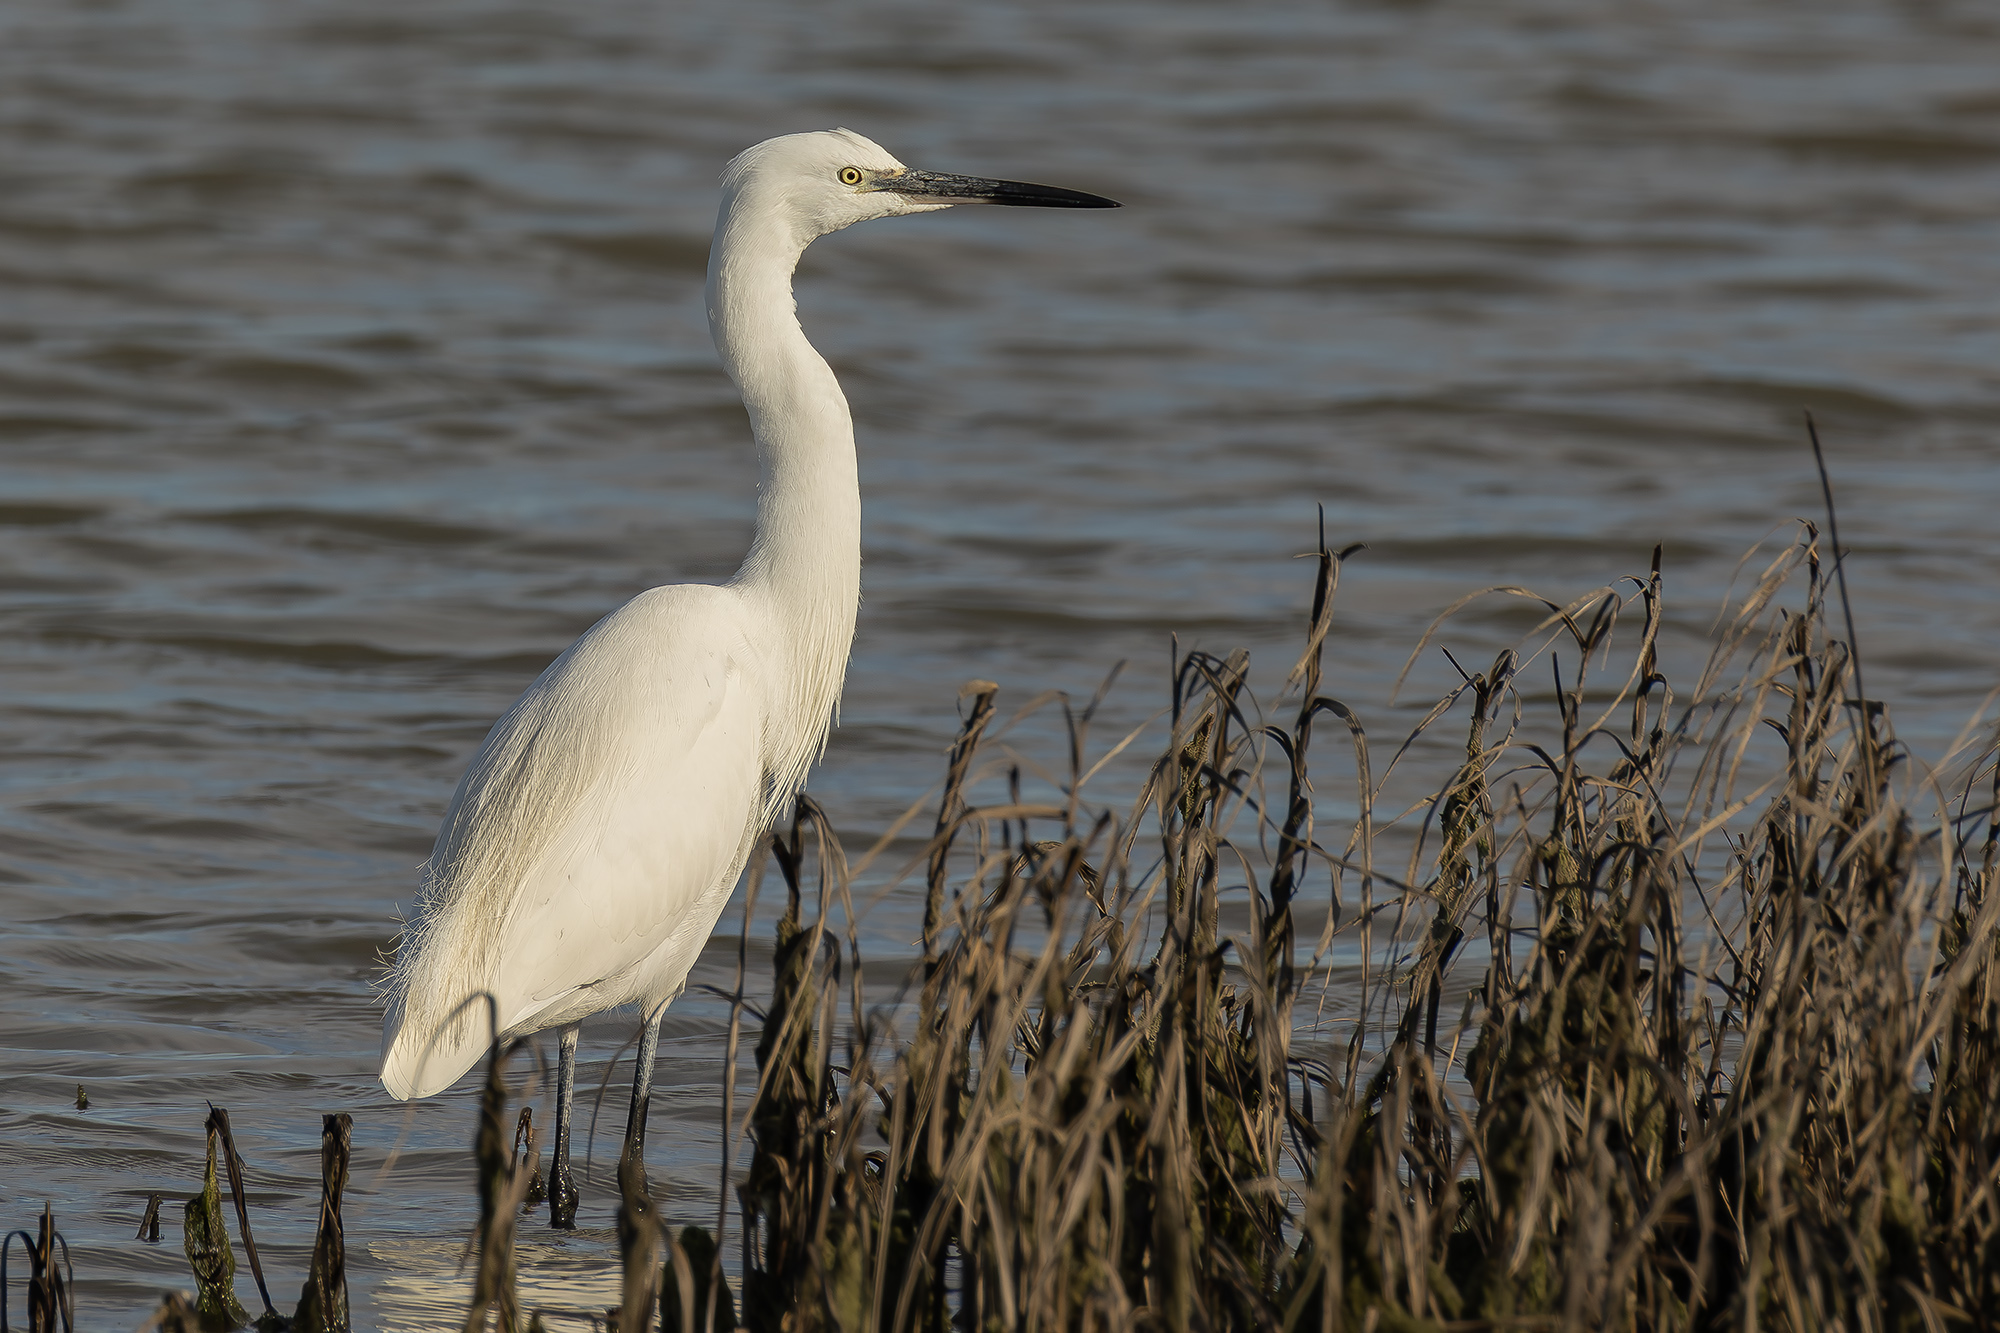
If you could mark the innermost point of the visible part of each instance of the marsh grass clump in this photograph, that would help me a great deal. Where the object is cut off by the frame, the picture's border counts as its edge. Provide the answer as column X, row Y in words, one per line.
column 1726, row 1049
column 322, row 1306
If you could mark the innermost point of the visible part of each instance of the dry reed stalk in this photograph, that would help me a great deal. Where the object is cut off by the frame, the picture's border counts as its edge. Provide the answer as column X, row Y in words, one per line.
column 503, row 1182
column 218, row 1125
column 323, row 1303
column 149, row 1221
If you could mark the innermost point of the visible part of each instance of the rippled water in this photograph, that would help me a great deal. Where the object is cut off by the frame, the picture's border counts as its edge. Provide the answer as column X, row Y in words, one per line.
column 352, row 362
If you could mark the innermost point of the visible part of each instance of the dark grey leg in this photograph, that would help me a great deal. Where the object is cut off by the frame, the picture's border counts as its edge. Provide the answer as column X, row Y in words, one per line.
column 563, row 1193
column 642, row 1088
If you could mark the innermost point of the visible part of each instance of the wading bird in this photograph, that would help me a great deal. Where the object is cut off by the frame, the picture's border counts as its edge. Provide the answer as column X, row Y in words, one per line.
column 597, row 834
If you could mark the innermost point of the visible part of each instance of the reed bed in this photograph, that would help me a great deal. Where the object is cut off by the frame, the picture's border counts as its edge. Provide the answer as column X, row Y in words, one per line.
column 1728, row 1054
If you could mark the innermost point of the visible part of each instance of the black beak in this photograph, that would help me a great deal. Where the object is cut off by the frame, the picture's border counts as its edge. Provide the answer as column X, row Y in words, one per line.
column 976, row 190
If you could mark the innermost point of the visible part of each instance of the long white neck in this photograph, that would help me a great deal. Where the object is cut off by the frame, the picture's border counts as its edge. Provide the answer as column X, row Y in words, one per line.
column 804, row 566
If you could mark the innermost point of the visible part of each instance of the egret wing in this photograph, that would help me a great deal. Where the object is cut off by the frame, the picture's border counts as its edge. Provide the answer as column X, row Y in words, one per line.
column 626, row 898
column 601, row 810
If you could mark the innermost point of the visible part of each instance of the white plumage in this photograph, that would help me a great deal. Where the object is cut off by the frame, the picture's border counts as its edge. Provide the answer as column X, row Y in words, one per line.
column 614, row 804
column 597, row 834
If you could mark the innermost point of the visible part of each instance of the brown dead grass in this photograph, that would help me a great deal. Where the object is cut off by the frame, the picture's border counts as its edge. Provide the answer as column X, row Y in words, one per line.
column 1728, row 1055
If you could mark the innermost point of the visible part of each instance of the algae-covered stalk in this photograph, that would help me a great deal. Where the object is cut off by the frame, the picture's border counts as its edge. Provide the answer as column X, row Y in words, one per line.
column 206, row 1240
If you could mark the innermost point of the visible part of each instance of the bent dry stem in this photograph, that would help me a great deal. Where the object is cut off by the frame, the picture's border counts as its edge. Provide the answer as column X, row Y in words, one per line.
column 1730, row 1036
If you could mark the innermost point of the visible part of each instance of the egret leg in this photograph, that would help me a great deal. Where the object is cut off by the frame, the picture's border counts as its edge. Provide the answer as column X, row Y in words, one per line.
column 642, row 1088
column 563, row 1193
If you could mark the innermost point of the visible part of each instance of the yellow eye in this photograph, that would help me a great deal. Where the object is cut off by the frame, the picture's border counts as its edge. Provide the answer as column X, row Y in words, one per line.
column 850, row 176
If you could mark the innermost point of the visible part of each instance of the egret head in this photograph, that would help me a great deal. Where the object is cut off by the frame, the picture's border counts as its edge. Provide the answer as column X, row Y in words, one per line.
column 829, row 179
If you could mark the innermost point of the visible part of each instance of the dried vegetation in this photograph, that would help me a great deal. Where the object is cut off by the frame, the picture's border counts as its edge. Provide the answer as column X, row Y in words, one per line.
column 1664, row 1012
column 1726, row 1051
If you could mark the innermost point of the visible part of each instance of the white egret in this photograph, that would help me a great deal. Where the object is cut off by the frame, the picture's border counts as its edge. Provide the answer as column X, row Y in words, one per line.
column 597, row 834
